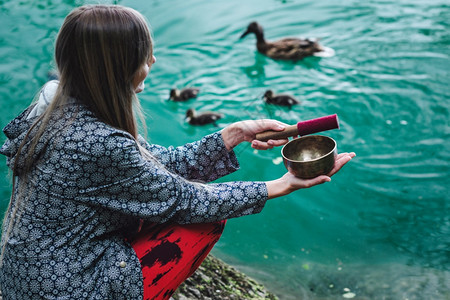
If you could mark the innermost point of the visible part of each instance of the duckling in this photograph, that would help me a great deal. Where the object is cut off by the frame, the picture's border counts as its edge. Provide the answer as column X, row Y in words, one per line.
column 287, row 48
column 202, row 118
column 280, row 99
column 184, row 94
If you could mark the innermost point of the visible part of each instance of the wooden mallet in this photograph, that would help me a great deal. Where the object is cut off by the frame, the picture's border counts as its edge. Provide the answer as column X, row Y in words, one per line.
column 301, row 128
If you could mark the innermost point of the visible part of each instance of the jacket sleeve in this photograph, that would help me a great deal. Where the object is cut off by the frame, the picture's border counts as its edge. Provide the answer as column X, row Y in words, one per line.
column 109, row 171
column 205, row 160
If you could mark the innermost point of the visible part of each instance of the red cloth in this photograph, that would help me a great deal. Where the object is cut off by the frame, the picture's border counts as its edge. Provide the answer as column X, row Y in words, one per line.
column 169, row 253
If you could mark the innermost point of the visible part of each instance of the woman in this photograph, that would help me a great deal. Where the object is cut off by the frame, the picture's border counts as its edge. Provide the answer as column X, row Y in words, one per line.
column 98, row 213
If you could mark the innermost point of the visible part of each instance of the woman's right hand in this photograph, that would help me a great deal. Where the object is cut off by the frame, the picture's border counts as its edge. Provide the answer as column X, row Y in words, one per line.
column 289, row 183
column 245, row 131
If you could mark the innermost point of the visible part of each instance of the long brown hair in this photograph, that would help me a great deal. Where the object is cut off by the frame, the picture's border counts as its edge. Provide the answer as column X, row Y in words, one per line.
column 98, row 52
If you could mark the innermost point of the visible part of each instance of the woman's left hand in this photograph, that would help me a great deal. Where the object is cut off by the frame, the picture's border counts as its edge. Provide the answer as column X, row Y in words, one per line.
column 288, row 183
column 239, row 132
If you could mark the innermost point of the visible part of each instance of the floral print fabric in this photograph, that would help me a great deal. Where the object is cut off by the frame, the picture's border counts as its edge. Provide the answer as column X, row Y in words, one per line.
column 85, row 195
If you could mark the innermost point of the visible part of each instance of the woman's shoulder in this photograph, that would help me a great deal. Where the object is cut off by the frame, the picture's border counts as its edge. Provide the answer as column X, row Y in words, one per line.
column 77, row 116
column 89, row 140
column 80, row 126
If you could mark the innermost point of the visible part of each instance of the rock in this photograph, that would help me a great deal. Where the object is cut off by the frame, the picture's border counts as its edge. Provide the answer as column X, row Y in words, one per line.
column 217, row 280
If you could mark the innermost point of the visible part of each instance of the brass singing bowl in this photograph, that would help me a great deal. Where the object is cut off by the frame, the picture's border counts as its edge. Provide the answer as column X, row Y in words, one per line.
column 309, row 156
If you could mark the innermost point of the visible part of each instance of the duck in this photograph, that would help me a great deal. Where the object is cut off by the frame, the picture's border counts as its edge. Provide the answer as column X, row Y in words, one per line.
column 202, row 118
column 280, row 99
column 184, row 94
column 286, row 48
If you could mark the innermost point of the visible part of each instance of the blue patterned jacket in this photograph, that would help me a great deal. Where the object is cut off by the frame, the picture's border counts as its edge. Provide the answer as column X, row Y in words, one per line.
column 88, row 191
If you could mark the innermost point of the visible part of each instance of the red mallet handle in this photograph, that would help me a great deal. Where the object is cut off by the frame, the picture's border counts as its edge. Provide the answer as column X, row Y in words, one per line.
column 302, row 128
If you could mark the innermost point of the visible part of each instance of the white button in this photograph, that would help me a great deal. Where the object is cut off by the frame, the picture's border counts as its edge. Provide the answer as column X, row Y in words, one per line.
column 122, row 264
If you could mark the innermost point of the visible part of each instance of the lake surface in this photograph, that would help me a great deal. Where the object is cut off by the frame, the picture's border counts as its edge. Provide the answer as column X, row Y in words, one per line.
column 381, row 228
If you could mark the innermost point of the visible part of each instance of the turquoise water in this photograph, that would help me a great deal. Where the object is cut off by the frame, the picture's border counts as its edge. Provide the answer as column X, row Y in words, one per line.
column 381, row 228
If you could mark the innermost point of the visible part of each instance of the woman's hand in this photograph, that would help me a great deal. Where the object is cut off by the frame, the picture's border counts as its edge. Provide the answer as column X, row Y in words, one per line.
column 239, row 132
column 289, row 183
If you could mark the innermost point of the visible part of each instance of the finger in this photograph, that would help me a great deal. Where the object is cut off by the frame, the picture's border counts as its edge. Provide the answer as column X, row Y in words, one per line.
column 268, row 121
column 269, row 144
column 269, row 124
column 307, row 183
column 276, row 143
column 351, row 154
column 258, row 145
column 340, row 161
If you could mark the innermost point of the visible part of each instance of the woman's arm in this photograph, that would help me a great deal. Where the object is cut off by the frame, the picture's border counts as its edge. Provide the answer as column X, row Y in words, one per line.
column 109, row 172
column 204, row 160
column 212, row 157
